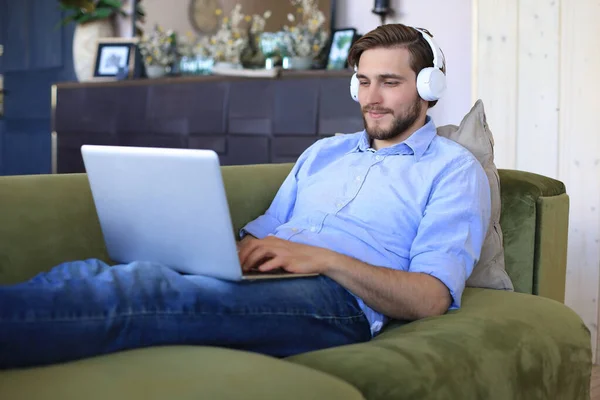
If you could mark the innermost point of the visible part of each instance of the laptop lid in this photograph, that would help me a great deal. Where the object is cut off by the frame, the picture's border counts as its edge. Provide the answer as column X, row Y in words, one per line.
column 167, row 206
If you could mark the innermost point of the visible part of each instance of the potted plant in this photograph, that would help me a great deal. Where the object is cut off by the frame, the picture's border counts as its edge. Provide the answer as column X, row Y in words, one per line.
column 94, row 19
column 159, row 51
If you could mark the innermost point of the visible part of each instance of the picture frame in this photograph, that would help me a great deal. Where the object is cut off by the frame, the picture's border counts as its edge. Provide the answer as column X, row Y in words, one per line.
column 339, row 47
column 116, row 59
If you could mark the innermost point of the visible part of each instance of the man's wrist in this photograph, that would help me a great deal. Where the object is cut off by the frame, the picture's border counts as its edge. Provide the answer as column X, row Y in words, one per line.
column 333, row 263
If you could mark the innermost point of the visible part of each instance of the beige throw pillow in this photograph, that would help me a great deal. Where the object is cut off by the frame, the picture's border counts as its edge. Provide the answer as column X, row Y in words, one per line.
column 475, row 135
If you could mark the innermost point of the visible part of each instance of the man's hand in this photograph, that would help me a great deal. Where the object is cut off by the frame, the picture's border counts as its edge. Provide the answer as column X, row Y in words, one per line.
column 273, row 253
column 244, row 240
column 397, row 294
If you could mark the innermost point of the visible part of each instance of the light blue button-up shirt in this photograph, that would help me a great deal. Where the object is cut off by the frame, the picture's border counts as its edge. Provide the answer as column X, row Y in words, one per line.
column 422, row 205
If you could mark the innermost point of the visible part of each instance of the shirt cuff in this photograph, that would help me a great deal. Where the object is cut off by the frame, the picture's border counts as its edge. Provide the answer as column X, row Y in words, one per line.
column 260, row 227
column 449, row 270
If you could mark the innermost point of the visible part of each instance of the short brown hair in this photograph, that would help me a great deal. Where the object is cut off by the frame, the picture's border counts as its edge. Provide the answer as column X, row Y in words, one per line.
column 396, row 35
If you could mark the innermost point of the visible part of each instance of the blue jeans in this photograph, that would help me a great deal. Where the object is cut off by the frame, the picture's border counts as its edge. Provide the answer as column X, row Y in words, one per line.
column 87, row 308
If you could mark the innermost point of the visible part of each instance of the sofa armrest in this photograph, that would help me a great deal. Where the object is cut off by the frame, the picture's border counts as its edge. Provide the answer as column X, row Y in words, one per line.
column 523, row 183
column 535, row 213
column 499, row 345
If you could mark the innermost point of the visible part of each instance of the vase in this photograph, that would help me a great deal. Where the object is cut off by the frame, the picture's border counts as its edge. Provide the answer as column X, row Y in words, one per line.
column 85, row 45
column 297, row 62
column 155, row 71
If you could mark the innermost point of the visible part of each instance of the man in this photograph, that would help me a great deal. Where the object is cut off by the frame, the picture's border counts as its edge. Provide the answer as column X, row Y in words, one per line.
column 392, row 219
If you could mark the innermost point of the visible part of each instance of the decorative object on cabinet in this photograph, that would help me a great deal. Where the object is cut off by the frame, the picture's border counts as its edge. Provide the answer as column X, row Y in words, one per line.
column 305, row 39
column 203, row 16
column 116, row 59
column 341, row 41
column 159, row 51
column 94, row 19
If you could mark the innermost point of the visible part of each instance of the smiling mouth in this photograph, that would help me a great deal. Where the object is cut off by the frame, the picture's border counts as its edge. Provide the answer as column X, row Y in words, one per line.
column 376, row 115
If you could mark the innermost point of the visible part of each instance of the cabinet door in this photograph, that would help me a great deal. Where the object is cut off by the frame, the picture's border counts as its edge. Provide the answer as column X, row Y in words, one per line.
column 296, row 106
column 250, row 107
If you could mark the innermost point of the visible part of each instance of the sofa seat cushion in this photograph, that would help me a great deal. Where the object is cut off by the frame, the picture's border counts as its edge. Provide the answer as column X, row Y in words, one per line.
column 174, row 372
column 499, row 345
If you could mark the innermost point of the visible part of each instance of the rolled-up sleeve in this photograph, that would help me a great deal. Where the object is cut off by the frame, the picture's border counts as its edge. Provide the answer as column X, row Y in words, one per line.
column 454, row 225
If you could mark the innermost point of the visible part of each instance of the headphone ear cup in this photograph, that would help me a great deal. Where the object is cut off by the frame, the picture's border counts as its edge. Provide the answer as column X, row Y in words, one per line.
column 354, row 87
column 431, row 84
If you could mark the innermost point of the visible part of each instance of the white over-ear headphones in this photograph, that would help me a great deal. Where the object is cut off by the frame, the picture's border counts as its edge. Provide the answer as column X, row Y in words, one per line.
column 431, row 81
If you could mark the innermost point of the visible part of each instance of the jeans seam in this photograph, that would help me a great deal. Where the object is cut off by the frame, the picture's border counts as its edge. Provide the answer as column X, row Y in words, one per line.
column 188, row 314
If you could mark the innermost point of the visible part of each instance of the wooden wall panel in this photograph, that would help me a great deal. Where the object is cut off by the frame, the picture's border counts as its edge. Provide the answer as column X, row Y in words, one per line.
column 579, row 144
column 535, row 66
column 538, row 87
column 496, row 53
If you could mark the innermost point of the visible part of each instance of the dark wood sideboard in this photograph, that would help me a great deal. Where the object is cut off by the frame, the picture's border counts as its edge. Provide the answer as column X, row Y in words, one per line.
column 245, row 120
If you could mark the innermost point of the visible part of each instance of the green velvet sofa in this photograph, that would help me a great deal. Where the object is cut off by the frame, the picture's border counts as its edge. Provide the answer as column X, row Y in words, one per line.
column 500, row 345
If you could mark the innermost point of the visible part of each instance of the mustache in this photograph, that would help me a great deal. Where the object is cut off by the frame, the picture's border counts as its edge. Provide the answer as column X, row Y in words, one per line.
column 376, row 109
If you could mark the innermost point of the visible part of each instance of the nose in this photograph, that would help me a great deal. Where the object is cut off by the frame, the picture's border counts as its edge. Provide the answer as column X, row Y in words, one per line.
column 372, row 94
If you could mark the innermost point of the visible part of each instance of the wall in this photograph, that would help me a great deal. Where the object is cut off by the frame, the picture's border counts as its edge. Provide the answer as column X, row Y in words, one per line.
column 450, row 24
column 535, row 67
column 168, row 14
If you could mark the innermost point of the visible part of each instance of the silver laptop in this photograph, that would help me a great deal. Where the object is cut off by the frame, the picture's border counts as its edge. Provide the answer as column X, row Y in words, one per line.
column 166, row 206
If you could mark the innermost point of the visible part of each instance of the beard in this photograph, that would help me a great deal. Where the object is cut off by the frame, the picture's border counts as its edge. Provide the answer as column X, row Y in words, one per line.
column 399, row 124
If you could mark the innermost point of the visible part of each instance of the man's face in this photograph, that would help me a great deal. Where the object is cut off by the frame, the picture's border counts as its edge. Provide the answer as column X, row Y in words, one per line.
column 388, row 92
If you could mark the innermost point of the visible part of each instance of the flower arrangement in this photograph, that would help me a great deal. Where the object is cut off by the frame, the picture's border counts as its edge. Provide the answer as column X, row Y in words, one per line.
column 308, row 37
column 253, row 55
column 236, row 42
column 236, row 34
column 228, row 43
column 186, row 45
column 159, row 47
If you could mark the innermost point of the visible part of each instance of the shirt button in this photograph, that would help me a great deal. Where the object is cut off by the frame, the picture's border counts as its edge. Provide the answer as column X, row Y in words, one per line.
column 294, row 229
column 378, row 158
column 358, row 178
column 339, row 205
column 313, row 228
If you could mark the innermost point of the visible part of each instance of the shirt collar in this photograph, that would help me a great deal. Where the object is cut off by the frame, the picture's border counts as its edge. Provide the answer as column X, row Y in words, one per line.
column 417, row 143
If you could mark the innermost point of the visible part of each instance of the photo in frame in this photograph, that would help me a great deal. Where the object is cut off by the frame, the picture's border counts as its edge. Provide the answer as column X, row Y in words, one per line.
column 339, row 48
column 116, row 59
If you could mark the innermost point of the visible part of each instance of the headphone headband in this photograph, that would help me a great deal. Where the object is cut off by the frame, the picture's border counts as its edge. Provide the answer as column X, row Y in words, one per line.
column 438, row 55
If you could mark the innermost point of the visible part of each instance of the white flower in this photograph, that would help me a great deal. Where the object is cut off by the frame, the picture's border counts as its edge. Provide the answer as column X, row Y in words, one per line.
column 291, row 17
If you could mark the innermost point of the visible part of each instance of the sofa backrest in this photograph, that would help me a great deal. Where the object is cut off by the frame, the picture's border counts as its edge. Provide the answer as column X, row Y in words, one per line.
column 49, row 219
column 46, row 220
